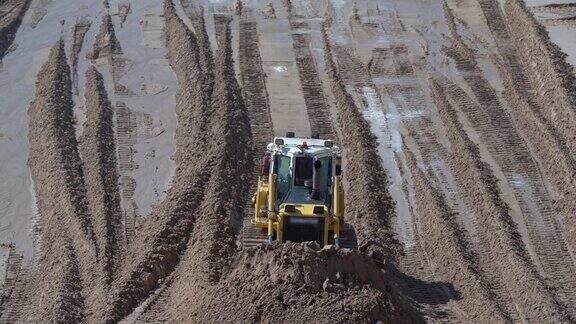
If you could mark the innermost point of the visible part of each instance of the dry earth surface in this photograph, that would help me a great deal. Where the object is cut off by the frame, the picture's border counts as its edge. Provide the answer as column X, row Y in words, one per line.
column 130, row 142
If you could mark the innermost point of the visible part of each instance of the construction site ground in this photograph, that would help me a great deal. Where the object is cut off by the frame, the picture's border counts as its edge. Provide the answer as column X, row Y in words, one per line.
column 131, row 136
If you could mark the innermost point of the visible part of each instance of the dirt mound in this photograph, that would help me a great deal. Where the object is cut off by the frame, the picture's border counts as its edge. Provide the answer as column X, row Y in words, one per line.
column 67, row 277
column 300, row 283
column 12, row 13
column 213, row 241
column 165, row 233
column 100, row 171
column 205, row 53
column 369, row 206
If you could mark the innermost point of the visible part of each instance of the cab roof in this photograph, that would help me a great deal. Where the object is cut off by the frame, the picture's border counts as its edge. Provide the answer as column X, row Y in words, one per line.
column 292, row 145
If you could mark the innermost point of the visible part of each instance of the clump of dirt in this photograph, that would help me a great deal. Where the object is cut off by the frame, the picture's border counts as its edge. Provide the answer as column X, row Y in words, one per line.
column 123, row 11
column 270, row 12
column 553, row 78
column 101, row 175
column 448, row 250
column 10, row 21
column 369, row 207
column 67, row 280
column 238, row 7
column 494, row 224
column 299, row 283
column 106, row 44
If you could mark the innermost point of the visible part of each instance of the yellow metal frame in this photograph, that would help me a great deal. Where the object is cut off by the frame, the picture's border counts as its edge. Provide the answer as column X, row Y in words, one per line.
column 273, row 221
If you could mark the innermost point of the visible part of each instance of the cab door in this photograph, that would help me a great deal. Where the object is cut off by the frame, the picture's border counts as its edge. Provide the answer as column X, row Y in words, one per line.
column 283, row 177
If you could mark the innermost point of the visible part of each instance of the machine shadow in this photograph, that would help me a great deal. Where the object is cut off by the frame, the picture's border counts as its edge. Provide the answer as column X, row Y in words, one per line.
column 421, row 291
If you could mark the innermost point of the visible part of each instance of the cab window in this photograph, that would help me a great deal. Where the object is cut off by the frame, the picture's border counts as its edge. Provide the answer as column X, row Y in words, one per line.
column 283, row 179
column 304, row 170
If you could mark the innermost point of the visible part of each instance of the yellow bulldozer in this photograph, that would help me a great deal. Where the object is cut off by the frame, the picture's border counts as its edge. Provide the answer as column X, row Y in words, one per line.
column 300, row 196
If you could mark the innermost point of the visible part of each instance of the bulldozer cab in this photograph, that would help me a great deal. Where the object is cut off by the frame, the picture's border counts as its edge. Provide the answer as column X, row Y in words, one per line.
column 299, row 195
column 295, row 178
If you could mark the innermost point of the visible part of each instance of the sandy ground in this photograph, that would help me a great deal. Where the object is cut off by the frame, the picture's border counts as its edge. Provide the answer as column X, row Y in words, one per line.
column 456, row 120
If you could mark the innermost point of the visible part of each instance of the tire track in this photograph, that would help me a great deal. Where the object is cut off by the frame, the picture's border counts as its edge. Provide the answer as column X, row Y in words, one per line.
column 409, row 101
column 504, row 143
column 255, row 95
column 524, row 178
column 553, row 78
column 447, row 247
column 557, row 163
column 126, row 137
column 408, row 105
column 316, row 103
column 11, row 276
column 495, row 224
column 549, row 143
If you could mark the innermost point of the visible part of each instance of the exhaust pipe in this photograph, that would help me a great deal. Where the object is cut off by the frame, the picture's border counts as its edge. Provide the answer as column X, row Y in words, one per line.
column 316, row 180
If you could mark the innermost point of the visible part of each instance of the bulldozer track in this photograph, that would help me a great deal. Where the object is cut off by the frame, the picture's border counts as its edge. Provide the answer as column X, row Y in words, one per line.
column 391, row 61
column 523, row 176
column 409, row 98
column 15, row 292
column 316, row 103
column 565, row 21
column 555, row 8
column 126, row 136
column 253, row 80
column 13, row 269
column 352, row 70
column 251, row 235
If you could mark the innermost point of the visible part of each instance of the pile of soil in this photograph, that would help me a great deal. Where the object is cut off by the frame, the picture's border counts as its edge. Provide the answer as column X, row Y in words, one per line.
column 79, row 32
column 494, row 224
column 9, row 22
column 165, row 233
column 98, row 151
column 213, row 241
column 299, row 283
column 205, row 54
column 67, row 278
